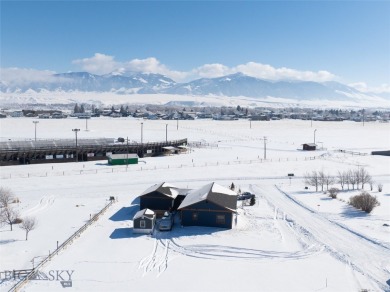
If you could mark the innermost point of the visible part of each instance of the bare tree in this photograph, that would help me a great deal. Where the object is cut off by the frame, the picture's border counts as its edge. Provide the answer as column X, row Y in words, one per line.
column 352, row 178
column 328, row 180
column 371, row 183
column 356, row 174
column 348, row 178
column 8, row 216
column 365, row 177
column 322, row 179
column 6, row 197
column 28, row 224
column 342, row 179
column 312, row 179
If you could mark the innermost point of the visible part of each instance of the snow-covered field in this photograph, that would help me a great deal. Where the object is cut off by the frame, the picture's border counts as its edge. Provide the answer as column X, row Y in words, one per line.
column 293, row 239
column 357, row 101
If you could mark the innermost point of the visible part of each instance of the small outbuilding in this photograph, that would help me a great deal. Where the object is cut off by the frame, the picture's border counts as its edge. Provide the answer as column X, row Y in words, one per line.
column 123, row 159
column 212, row 205
column 144, row 221
column 169, row 150
column 309, row 146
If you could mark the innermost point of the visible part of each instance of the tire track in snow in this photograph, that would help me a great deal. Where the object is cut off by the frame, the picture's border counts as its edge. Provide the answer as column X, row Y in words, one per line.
column 44, row 203
column 217, row 252
column 364, row 256
column 156, row 260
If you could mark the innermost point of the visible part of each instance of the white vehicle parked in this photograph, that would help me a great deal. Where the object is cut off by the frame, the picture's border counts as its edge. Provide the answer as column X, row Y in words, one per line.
column 166, row 222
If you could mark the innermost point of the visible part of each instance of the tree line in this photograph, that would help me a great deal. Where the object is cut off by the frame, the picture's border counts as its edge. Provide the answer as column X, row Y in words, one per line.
column 349, row 179
column 10, row 216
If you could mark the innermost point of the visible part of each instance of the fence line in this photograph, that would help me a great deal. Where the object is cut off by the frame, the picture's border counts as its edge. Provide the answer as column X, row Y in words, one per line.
column 352, row 152
column 75, row 235
column 143, row 168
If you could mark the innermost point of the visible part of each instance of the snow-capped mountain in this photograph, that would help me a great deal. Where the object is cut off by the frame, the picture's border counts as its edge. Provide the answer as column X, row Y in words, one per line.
column 241, row 85
column 84, row 81
column 231, row 85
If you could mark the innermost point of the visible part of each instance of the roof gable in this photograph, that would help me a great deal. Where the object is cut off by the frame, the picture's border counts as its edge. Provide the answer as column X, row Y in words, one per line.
column 212, row 192
column 144, row 212
column 164, row 188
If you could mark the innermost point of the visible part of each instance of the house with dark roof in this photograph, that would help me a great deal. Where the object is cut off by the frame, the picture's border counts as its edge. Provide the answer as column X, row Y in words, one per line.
column 159, row 198
column 211, row 205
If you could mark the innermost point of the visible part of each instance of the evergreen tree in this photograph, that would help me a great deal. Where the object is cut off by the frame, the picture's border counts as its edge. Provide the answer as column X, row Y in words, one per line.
column 76, row 109
column 82, row 109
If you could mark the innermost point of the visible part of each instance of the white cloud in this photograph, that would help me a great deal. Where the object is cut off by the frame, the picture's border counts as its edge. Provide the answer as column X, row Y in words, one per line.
column 263, row 71
column 152, row 65
column 103, row 64
column 23, row 76
column 212, row 70
column 98, row 64
column 363, row 87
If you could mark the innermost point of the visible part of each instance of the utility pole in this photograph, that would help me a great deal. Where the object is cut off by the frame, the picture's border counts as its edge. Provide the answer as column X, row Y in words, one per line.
column 142, row 133
column 177, row 124
column 250, row 124
column 86, row 124
column 166, row 133
column 77, row 152
column 35, row 123
column 127, row 154
column 363, row 117
column 265, row 147
column 315, row 135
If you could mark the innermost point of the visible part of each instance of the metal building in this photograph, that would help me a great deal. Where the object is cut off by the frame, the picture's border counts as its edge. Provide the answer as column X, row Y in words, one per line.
column 123, row 159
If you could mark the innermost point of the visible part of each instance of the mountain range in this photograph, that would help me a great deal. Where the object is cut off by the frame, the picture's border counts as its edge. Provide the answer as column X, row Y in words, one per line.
column 231, row 85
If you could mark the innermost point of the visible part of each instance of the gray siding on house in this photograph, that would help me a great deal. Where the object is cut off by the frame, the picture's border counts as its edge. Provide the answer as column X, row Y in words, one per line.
column 149, row 223
column 156, row 201
column 206, row 214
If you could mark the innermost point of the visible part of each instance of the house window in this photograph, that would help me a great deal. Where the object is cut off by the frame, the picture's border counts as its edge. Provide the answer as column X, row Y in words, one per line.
column 221, row 219
column 142, row 223
column 194, row 216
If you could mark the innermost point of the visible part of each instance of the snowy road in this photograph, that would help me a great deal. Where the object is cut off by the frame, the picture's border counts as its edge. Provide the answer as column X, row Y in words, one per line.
column 362, row 255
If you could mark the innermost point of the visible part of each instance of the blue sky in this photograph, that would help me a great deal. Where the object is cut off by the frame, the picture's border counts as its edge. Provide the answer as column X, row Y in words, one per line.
column 347, row 41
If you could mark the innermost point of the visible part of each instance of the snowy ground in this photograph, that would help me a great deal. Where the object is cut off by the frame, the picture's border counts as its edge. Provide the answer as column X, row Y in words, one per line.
column 357, row 101
column 292, row 239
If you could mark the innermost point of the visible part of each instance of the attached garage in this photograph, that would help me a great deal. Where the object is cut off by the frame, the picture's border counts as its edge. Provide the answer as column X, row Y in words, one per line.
column 159, row 198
